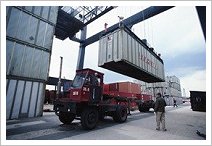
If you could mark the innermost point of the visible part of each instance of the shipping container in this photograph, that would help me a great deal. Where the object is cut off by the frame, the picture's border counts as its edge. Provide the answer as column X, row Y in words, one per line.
column 136, row 88
column 126, row 87
column 171, row 88
column 29, row 41
column 120, row 94
column 198, row 100
column 24, row 98
column 113, row 87
column 173, row 79
column 170, row 100
column 123, row 52
column 106, row 88
column 129, row 87
column 29, row 38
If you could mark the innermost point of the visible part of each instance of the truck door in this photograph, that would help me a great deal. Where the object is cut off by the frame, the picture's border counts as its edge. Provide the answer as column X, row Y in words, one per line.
column 96, row 90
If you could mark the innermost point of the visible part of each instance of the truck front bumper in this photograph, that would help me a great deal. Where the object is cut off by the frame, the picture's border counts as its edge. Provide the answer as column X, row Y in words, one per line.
column 64, row 106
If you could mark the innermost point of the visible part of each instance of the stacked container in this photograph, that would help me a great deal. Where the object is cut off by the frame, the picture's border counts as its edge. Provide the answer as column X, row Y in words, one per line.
column 30, row 32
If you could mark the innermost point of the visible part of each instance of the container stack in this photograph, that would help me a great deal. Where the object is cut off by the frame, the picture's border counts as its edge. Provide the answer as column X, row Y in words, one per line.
column 29, row 38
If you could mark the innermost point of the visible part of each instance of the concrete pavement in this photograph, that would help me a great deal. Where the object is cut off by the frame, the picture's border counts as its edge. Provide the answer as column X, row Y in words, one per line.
column 181, row 123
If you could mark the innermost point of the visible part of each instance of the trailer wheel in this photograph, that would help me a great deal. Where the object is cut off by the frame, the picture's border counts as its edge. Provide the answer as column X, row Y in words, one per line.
column 66, row 118
column 140, row 108
column 89, row 118
column 120, row 115
column 147, row 109
column 143, row 109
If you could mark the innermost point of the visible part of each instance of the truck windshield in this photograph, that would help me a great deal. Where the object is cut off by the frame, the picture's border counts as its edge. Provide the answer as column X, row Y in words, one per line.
column 79, row 80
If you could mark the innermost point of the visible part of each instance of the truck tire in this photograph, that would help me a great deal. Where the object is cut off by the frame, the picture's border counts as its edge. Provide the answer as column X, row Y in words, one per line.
column 120, row 115
column 143, row 108
column 66, row 118
column 147, row 109
column 89, row 118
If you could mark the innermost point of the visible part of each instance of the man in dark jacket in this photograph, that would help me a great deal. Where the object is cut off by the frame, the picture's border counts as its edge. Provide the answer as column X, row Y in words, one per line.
column 159, row 109
column 175, row 102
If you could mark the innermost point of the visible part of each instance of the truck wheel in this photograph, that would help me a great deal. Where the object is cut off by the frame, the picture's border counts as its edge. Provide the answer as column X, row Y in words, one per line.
column 89, row 118
column 140, row 108
column 143, row 109
column 147, row 109
column 120, row 115
column 66, row 118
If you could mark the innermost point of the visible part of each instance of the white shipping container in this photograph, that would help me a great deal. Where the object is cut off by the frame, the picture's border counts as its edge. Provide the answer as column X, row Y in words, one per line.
column 173, row 79
column 26, row 61
column 123, row 52
column 30, row 29
column 24, row 98
column 175, row 92
column 30, row 32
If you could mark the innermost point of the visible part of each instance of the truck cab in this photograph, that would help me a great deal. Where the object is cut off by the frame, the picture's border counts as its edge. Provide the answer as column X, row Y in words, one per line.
column 87, row 86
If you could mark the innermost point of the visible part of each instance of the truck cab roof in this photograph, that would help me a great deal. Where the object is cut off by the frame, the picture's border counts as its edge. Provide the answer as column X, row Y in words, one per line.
column 91, row 71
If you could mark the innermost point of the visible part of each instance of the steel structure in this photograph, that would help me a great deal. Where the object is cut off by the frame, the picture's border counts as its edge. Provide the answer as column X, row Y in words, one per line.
column 132, row 20
column 53, row 81
column 201, row 11
column 72, row 19
column 87, row 14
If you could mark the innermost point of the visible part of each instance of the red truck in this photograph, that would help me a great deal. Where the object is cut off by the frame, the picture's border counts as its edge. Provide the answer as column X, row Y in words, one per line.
column 89, row 100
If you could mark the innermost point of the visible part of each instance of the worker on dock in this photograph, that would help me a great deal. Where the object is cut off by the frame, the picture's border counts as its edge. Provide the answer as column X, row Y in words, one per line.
column 175, row 102
column 159, row 109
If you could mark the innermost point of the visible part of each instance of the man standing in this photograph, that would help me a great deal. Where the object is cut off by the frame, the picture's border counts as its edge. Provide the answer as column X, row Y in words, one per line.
column 175, row 102
column 159, row 109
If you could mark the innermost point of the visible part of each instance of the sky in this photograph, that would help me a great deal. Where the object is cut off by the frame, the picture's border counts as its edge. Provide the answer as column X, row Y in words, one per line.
column 175, row 33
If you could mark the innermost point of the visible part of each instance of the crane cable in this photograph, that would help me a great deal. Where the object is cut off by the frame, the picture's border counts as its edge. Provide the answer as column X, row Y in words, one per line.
column 144, row 24
column 147, row 34
column 152, row 33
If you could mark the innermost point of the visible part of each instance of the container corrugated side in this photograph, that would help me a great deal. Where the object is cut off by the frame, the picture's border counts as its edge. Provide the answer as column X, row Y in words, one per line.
column 46, row 12
column 29, row 40
column 25, row 61
column 123, row 53
column 28, row 28
column 24, row 98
